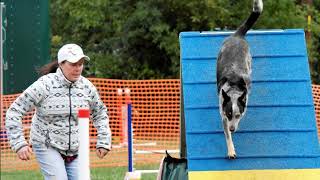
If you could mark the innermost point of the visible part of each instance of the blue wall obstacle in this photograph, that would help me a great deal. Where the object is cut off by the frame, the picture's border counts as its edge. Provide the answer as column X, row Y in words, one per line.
column 279, row 130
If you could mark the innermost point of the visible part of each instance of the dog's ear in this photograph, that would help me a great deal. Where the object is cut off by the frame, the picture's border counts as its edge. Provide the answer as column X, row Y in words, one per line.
column 225, row 96
column 242, row 84
column 221, row 83
column 242, row 101
column 243, row 98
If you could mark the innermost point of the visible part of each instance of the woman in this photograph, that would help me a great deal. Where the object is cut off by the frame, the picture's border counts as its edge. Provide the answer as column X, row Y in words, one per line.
column 57, row 96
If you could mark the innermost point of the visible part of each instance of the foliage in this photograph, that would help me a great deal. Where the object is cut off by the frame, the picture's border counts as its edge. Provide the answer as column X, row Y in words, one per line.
column 135, row 39
column 314, row 44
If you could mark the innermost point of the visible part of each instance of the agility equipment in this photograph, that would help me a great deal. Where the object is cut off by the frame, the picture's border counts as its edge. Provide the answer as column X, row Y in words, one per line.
column 277, row 138
column 84, row 146
column 127, row 125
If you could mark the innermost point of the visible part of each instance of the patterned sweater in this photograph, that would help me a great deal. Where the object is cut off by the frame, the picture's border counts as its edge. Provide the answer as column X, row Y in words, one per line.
column 56, row 101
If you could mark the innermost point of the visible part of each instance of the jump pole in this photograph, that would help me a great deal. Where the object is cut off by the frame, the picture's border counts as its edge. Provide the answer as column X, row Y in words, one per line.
column 131, row 174
column 130, row 144
column 84, row 147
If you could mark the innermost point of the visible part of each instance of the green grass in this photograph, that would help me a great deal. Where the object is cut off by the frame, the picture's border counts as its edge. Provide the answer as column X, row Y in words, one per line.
column 17, row 175
column 109, row 173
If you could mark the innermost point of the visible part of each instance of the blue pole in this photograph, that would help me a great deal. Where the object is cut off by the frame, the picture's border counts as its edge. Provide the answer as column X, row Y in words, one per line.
column 130, row 148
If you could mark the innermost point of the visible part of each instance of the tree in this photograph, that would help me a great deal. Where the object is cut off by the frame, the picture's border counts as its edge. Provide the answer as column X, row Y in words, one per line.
column 135, row 39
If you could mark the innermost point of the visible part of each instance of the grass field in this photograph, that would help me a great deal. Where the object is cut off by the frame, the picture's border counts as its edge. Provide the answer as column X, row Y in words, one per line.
column 110, row 173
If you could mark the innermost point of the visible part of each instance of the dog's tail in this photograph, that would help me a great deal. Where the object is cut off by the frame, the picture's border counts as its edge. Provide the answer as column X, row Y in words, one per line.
column 256, row 11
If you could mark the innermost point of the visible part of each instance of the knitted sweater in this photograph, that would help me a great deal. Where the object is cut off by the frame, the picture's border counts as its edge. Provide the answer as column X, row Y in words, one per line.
column 56, row 101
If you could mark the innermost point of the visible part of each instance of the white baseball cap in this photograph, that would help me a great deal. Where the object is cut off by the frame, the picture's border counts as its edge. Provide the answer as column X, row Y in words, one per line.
column 72, row 53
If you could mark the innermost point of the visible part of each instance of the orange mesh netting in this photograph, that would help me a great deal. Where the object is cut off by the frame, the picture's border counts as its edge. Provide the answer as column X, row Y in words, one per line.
column 155, row 118
column 316, row 100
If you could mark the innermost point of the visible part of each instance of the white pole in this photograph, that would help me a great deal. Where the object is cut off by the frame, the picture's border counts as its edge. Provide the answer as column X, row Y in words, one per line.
column 84, row 147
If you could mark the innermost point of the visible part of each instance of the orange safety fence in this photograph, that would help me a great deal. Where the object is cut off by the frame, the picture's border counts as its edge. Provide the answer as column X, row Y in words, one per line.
column 316, row 100
column 155, row 118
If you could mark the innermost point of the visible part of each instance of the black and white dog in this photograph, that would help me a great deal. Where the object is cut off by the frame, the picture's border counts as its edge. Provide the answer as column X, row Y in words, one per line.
column 234, row 77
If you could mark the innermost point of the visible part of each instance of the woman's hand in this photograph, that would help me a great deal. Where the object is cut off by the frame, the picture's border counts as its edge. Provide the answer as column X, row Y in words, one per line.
column 25, row 153
column 101, row 152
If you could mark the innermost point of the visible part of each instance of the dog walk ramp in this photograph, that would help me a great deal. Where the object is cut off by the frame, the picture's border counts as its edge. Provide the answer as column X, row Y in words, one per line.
column 277, row 138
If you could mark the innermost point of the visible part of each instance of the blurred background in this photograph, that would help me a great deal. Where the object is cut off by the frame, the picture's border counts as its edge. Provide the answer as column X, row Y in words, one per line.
column 134, row 39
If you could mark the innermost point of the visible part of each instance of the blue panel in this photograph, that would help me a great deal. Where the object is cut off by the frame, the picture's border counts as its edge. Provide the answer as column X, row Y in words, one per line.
column 263, row 69
column 280, row 69
column 261, row 45
column 200, row 47
column 257, row 144
column 279, row 129
column 253, row 163
column 262, row 94
column 256, row 119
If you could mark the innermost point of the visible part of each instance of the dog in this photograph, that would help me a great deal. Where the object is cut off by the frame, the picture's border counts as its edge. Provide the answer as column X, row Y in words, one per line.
column 234, row 77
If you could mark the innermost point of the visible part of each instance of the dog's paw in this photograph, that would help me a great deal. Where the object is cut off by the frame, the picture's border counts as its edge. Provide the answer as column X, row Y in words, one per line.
column 232, row 155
